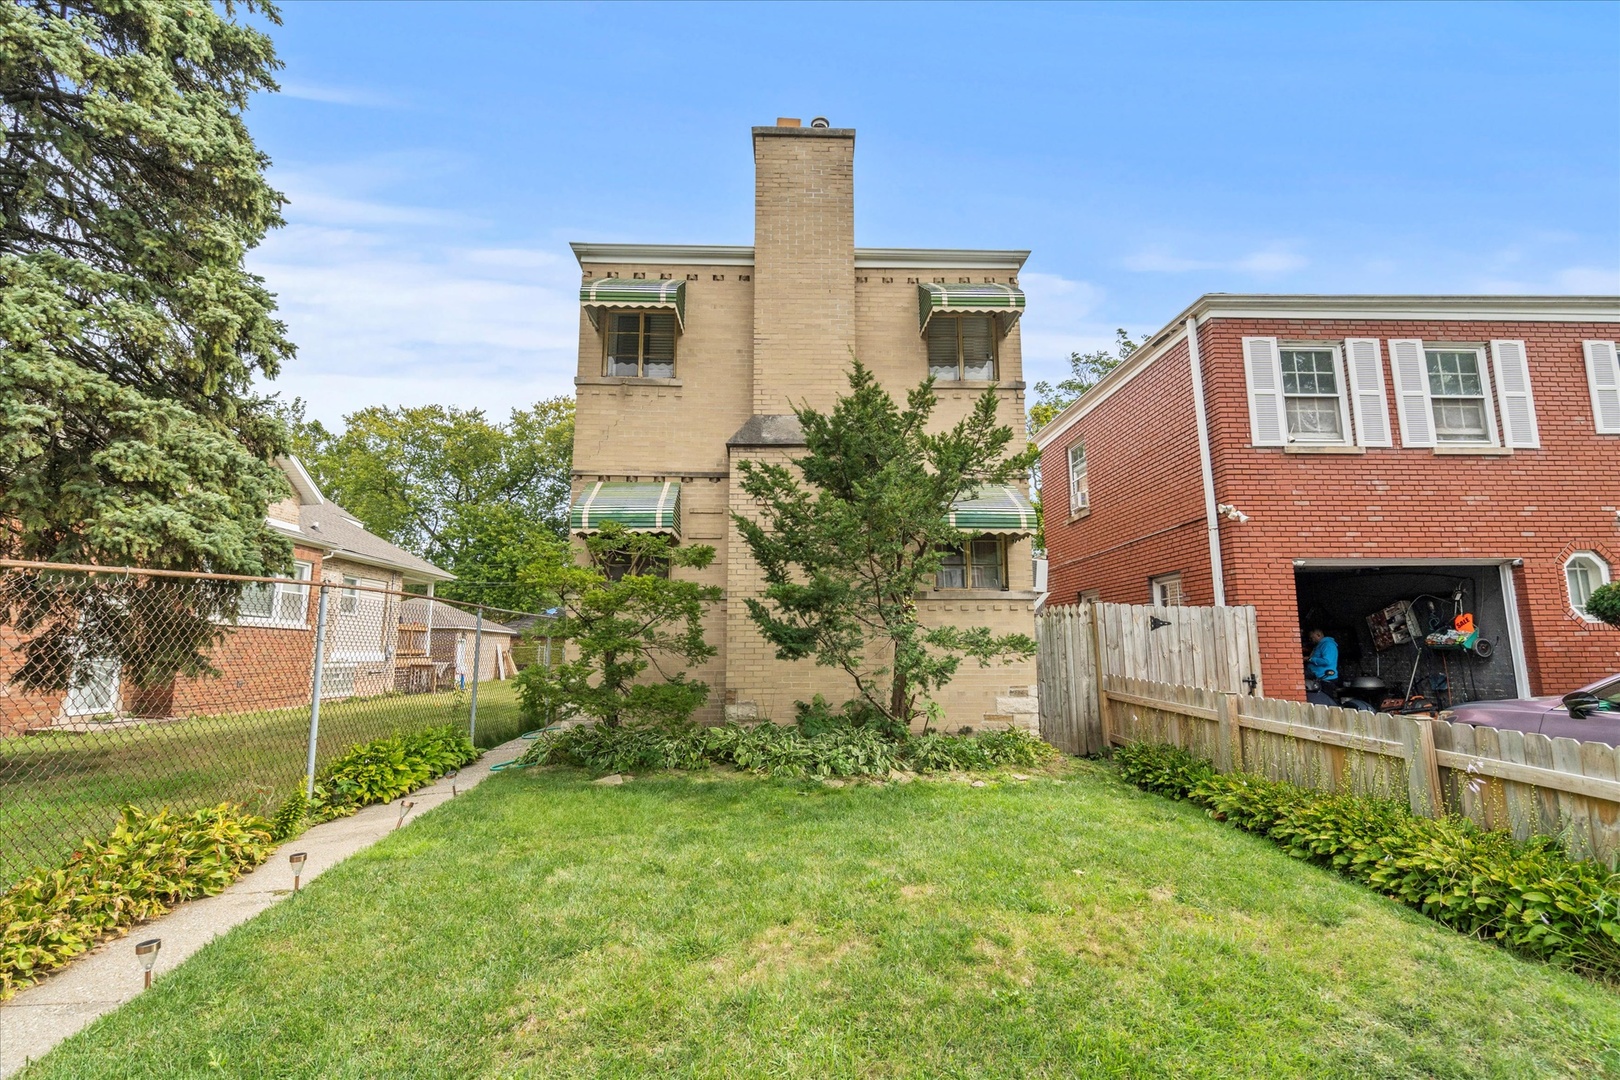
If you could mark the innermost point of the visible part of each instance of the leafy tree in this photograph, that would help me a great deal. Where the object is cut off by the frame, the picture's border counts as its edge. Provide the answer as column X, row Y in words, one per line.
column 850, row 534
column 1085, row 371
column 130, row 333
column 486, row 501
column 622, row 613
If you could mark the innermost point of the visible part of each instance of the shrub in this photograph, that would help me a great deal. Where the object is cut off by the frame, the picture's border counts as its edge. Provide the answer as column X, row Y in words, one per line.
column 1527, row 895
column 384, row 769
column 146, row 865
column 836, row 750
column 1166, row 770
column 1604, row 603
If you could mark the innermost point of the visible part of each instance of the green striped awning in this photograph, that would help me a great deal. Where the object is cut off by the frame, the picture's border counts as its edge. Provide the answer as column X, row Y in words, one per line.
column 996, row 509
column 989, row 297
column 613, row 292
column 648, row 508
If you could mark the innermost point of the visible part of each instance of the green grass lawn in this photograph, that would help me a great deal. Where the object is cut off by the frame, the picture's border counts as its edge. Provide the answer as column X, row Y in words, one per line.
column 58, row 787
column 728, row 926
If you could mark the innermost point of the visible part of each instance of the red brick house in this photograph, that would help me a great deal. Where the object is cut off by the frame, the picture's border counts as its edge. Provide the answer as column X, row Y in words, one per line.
column 1324, row 457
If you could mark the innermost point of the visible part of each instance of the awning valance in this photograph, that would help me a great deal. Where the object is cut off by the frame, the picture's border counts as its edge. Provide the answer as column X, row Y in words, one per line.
column 648, row 508
column 987, row 298
column 997, row 509
column 605, row 293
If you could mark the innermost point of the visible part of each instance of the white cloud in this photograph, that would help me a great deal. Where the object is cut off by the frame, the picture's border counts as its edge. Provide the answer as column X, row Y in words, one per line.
column 1266, row 262
column 1060, row 319
column 337, row 95
column 1589, row 280
column 387, row 309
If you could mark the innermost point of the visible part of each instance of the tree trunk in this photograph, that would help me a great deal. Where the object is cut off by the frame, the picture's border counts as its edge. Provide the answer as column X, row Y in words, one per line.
column 897, row 701
column 611, row 718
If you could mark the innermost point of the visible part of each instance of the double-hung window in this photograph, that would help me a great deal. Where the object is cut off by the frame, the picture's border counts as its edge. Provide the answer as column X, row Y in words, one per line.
column 981, row 563
column 1313, row 401
column 1079, row 483
column 962, row 348
column 283, row 603
column 349, row 604
column 1297, row 393
column 641, row 344
column 1461, row 405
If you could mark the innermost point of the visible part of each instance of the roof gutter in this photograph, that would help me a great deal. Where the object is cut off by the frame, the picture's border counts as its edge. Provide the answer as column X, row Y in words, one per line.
column 1212, row 521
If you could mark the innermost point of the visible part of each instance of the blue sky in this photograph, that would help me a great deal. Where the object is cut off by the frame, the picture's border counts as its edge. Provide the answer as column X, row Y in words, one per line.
column 439, row 158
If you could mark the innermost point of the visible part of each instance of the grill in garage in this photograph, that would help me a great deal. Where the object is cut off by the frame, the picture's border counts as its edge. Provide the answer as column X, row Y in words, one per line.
column 1399, row 624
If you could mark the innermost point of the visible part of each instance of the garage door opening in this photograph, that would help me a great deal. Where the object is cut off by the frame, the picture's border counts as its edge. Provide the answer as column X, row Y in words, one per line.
column 1399, row 624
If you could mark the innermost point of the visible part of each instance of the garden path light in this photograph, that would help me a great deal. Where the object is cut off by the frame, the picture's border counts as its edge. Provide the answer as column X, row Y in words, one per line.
column 146, row 952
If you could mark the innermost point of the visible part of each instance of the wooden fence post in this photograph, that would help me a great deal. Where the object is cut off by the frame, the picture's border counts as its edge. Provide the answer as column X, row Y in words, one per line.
column 1229, row 736
column 1422, row 769
column 1097, row 670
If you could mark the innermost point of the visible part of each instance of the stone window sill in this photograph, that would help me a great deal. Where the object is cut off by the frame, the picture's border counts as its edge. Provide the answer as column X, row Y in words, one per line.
column 1473, row 451
column 1323, row 448
column 975, row 384
column 1077, row 515
column 622, row 380
column 976, row 594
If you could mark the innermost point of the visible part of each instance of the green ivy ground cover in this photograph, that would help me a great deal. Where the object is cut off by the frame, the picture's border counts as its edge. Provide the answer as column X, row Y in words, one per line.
column 724, row 925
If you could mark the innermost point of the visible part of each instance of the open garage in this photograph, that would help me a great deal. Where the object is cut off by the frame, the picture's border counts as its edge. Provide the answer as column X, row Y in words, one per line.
column 1431, row 631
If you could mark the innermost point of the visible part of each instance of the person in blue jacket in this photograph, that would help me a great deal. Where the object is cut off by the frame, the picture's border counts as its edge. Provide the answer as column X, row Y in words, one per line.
column 1323, row 663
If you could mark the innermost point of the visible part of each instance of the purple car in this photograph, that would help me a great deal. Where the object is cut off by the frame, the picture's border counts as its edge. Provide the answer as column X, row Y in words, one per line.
column 1590, row 714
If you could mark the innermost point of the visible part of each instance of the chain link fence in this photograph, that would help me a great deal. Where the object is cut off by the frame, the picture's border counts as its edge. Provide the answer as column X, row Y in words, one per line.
column 122, row 687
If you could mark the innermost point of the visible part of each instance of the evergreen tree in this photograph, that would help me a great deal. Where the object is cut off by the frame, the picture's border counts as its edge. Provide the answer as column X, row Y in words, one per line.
column 130, row 332
column 856, row 528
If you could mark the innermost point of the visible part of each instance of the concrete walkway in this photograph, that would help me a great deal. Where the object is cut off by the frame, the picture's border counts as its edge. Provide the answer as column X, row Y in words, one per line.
column 101, row 980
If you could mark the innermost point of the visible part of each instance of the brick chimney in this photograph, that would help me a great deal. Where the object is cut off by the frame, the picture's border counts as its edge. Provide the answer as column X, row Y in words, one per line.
column 804, row 264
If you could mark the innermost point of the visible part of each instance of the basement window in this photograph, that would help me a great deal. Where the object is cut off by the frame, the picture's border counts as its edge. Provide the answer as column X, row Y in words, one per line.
column 962, row 348
column 981, row 563
column 1165, row 590
column 641, row 344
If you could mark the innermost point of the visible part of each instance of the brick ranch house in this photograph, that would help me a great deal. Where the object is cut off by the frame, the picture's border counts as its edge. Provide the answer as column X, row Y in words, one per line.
column 264, row 661
column 1324, row 457
column 691, row 359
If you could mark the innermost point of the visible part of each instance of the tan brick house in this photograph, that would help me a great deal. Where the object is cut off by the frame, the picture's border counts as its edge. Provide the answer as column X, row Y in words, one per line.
column 692, row 357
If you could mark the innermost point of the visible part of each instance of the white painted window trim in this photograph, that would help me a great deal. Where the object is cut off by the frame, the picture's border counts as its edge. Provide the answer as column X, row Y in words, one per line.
column 1603, row 570
column 303, row 584
column 1159, row 581
column 1493, row 433
column 1079, row 480
column 1346, row 436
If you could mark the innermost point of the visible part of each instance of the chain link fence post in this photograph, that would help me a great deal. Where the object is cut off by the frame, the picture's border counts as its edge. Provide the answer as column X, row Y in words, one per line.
column 315, row 693
column 477, row 669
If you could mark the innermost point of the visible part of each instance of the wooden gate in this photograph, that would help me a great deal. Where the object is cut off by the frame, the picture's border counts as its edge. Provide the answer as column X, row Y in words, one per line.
column 1213, row 648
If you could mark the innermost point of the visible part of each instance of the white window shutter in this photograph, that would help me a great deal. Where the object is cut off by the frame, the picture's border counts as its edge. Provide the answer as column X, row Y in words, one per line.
column 1513, row 394
column 1367, row 391
column 1262, row 366
column 1411, row 391
column 1603, row 378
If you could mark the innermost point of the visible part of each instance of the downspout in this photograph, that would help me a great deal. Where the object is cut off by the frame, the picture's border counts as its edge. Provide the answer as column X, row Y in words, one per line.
column 1201, row 417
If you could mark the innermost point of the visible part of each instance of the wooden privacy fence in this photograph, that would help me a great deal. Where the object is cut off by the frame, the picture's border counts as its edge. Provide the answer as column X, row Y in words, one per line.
column 1212, row 647
column 1525, row 783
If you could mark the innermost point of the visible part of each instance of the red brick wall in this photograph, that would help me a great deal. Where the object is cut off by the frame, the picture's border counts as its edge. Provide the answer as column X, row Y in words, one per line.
column 1147, row 502
column 1534, row 505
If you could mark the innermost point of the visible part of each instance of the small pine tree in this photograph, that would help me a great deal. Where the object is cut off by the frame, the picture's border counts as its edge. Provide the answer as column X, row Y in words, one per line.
column 851, row 534
column 622, row 613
